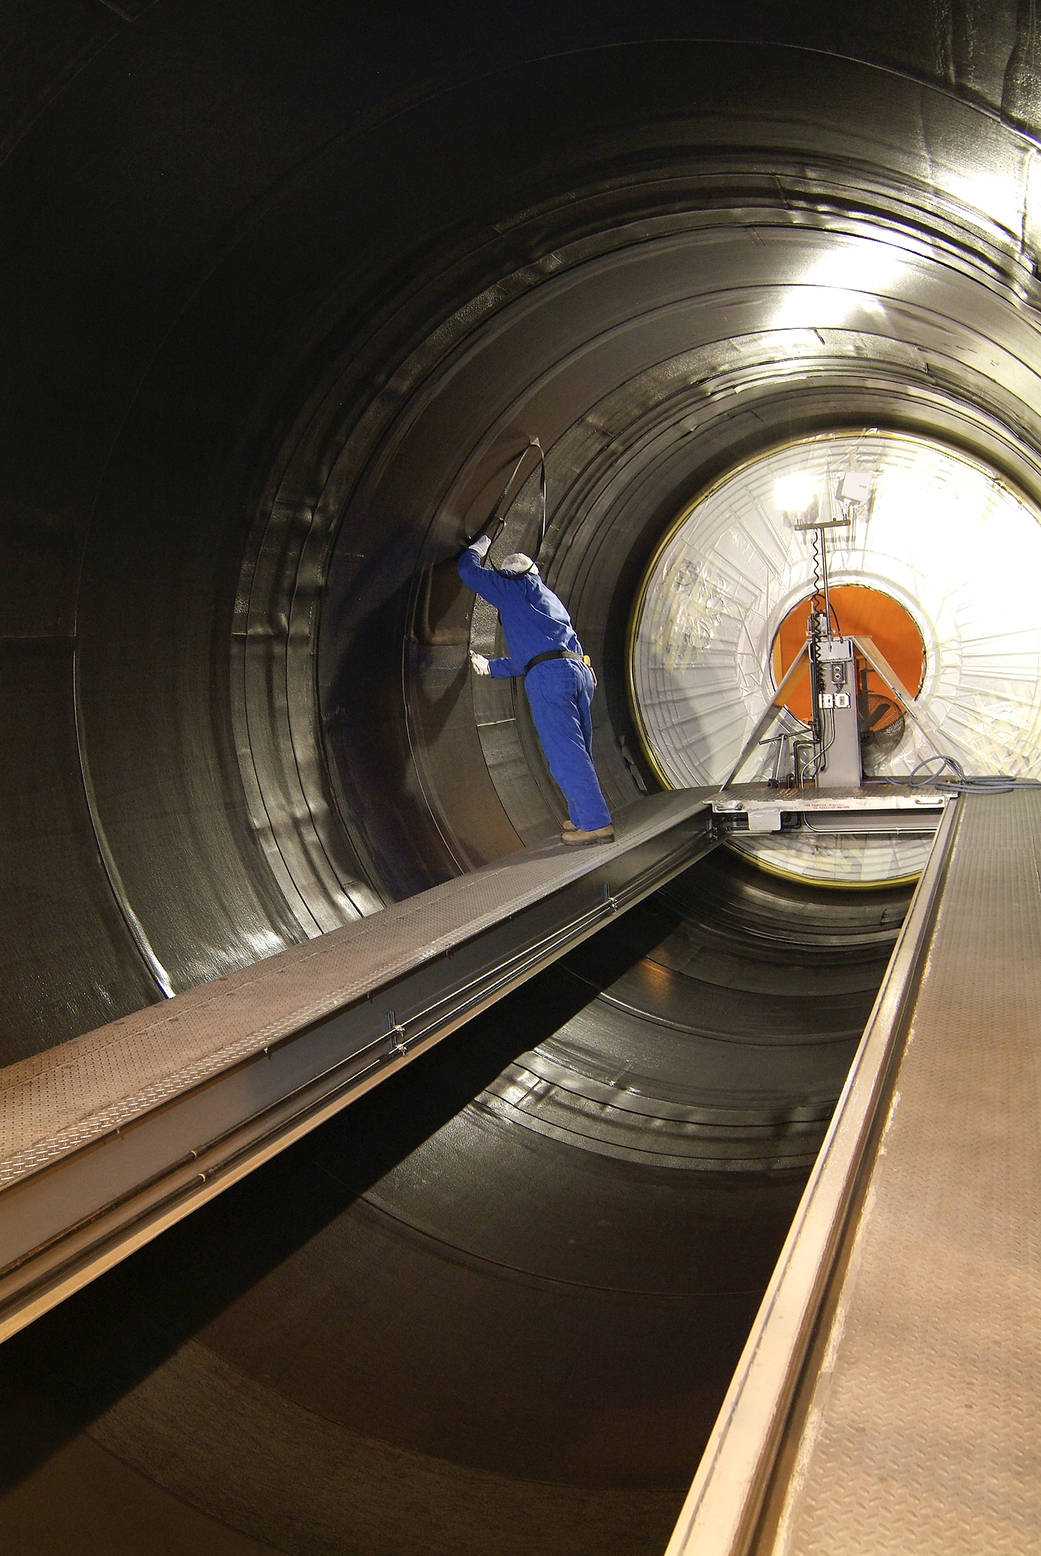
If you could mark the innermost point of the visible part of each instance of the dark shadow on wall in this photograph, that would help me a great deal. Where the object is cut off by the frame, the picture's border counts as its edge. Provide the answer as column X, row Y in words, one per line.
column 72, row 1364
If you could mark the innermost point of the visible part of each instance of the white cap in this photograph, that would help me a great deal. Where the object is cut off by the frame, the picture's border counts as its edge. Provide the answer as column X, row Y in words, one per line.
column 517, row 564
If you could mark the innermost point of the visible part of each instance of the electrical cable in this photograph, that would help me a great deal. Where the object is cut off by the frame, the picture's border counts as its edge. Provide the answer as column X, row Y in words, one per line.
column 496, row 522
column 820, row 610
column 961, row 783
column 824, row 745
column 542, row 494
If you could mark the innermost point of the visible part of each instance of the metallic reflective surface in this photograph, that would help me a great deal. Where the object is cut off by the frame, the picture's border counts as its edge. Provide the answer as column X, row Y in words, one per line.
column 862, row 1416
column 285, row 294
column 941, row 535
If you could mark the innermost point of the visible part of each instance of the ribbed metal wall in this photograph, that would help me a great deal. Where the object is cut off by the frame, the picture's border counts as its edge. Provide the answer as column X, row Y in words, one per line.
column 285, row 292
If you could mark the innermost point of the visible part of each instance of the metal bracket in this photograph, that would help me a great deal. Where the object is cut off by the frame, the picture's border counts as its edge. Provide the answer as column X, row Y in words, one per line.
column 395, row 1029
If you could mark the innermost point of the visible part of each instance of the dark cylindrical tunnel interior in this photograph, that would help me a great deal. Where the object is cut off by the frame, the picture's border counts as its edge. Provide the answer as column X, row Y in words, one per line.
column 288, row 289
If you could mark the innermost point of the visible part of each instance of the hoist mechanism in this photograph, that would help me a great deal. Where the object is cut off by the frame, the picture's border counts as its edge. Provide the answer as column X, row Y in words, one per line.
column 818, row 766
column 831, row 758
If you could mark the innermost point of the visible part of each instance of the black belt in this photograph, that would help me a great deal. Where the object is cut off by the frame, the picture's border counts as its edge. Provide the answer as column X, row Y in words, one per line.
column 554, row 653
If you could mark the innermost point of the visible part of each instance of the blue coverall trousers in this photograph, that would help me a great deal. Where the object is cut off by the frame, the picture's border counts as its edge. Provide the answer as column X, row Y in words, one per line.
column 560, row 694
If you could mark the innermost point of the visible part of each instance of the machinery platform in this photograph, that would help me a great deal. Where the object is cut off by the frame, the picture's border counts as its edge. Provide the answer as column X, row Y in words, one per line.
column 870, row 807
column 887, row 1398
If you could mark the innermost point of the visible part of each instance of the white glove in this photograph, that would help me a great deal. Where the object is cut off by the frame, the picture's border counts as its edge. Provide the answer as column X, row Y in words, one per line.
column 482, row 545
column 479, row 663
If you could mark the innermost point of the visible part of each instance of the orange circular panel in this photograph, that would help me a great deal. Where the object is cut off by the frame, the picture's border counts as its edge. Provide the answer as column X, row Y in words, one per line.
column 858, row 611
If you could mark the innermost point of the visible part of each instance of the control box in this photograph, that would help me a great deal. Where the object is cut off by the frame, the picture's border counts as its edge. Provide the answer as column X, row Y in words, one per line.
column 837, row 719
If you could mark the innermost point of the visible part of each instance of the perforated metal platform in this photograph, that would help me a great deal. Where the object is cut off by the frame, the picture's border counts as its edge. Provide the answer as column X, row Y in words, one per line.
column 914, row 1423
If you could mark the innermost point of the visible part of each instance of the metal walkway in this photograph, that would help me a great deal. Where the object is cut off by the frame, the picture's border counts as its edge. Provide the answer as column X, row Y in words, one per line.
column 887, row 1400
column 110, row 1137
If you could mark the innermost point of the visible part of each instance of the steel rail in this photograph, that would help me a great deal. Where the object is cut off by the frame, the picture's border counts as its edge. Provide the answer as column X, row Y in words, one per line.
column 732, row 1481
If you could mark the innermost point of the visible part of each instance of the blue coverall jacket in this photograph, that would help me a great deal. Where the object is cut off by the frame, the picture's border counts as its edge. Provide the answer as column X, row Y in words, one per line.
column 560, row 691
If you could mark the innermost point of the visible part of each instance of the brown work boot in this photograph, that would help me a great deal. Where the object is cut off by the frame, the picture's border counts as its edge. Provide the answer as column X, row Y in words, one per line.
column 576, row 835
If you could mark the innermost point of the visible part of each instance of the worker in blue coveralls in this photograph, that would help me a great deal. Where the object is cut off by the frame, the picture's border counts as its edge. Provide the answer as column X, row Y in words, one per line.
column 544, row 649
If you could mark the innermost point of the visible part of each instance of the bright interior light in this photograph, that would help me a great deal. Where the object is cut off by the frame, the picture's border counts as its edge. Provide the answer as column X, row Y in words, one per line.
column 796, row 494
column 938, row 533
column 999, row 192
column 849, row 278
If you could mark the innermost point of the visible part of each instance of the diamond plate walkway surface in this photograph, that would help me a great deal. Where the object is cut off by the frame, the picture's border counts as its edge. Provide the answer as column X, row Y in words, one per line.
column 110, row 1136
column 58, row 1100
column 916, row 1428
